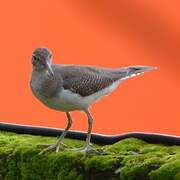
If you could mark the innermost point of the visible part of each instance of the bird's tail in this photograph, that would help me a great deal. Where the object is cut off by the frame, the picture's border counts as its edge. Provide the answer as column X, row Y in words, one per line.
column 132, row 71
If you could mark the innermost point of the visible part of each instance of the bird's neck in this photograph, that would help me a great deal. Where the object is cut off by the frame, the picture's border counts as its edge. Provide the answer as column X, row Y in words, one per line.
column 40, row 71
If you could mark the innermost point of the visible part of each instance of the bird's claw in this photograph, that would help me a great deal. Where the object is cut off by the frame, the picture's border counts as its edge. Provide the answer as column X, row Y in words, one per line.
column 47, row 145
column 56, row 146
column 88, row 149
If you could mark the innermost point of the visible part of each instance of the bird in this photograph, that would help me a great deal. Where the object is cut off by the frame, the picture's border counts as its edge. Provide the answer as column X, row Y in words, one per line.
column 70, row 87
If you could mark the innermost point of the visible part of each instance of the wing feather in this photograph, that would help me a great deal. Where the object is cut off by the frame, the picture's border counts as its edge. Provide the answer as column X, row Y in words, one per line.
column 85, row 80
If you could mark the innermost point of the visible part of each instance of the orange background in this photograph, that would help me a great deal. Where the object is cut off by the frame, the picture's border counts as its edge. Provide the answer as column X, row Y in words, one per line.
column 104, row 33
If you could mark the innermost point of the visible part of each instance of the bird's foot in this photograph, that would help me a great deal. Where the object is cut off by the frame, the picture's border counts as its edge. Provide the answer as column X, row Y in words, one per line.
column 56, row 146
column 47, row 145
column 88, row 149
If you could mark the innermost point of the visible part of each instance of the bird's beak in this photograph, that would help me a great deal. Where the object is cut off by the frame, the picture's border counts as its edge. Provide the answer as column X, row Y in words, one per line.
column 49, row 69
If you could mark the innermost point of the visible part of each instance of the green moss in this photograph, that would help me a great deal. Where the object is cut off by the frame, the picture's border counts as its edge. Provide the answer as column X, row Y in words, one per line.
column 130, row 159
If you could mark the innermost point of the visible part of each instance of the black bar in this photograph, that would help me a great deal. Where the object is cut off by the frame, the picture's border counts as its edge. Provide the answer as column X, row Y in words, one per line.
column 96, row 138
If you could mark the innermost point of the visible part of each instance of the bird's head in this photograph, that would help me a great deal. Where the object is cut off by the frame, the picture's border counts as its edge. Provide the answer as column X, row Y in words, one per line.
column 41, row 60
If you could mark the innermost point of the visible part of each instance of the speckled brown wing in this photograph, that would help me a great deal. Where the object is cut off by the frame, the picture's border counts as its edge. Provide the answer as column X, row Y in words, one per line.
column 85, row 80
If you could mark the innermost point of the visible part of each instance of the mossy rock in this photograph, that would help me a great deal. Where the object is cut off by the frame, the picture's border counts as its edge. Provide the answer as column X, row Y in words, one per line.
column 129, row 159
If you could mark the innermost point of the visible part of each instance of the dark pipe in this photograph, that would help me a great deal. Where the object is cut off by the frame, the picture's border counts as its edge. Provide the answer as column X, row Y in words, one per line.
column 96, row 138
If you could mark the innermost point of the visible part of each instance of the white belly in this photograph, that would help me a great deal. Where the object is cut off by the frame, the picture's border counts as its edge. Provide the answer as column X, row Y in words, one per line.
column 68, row 101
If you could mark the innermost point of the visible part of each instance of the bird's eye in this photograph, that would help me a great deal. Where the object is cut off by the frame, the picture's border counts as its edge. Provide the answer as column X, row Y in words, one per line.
column 35, row 58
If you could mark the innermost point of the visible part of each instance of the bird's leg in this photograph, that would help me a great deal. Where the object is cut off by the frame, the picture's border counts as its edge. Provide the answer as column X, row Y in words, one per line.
column 88, row 147
column 88, row 138
column 60, row 140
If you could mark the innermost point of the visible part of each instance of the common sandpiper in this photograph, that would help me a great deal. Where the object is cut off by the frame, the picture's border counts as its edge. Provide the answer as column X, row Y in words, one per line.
column 69, row 88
